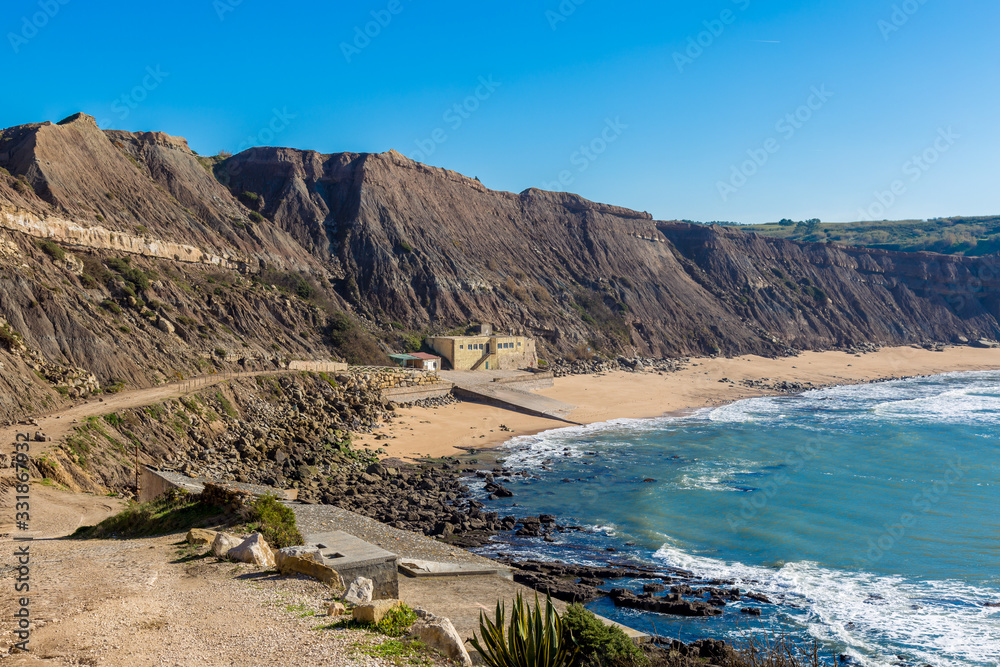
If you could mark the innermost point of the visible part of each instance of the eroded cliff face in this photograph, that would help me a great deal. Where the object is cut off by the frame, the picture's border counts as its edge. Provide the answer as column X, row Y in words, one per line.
column 404, row 246
column 431, row 248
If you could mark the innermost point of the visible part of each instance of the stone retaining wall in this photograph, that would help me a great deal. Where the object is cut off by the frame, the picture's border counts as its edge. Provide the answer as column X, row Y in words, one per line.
column 318, row 366
column 404, row 395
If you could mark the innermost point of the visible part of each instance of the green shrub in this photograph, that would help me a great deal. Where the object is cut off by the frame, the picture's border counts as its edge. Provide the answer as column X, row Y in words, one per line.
column 256, row 217
column 600, row 645
column 534, row 638
column 135, row 278
column 8, row 339
column 111, row 306
column 276, row 522
column 353, row 342
column 405, row 247
column 52, row 249
column 23, row 187
column 251, row 196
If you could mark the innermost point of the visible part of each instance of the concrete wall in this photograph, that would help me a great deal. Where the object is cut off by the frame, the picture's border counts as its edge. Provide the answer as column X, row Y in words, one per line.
column 528, row 382
column 403, row 395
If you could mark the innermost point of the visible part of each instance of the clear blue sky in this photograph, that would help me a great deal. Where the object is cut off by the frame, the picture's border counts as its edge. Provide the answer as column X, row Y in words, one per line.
column 922, row 82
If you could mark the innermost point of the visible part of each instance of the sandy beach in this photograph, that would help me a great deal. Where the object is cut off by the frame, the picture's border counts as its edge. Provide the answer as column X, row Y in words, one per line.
column 439, row 432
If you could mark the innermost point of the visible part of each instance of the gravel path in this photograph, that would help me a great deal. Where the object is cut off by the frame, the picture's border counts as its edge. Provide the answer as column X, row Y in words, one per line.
column 324, row 518
column 156, row 602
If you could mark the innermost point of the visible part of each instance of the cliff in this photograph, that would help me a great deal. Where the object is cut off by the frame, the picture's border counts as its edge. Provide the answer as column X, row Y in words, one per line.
column 129, row 256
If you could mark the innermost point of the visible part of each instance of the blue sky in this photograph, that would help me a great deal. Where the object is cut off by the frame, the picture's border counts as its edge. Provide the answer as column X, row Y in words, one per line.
column 743, row 110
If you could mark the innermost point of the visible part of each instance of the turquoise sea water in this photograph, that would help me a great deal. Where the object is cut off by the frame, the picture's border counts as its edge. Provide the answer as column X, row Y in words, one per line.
column 871, row 513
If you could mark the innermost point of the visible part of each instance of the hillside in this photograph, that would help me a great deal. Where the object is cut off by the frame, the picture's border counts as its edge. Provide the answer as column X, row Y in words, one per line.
column 973, row 237
column 161, row 263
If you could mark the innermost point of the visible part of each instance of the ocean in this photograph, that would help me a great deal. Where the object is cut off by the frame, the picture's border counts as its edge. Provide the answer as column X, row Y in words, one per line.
column 869, row 514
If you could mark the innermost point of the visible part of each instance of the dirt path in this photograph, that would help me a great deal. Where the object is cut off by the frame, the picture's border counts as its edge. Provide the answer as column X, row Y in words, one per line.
column 154, row 602
column 57, row 425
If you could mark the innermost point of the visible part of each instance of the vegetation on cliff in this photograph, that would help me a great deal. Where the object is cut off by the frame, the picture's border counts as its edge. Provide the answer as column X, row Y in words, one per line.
column 971, row 237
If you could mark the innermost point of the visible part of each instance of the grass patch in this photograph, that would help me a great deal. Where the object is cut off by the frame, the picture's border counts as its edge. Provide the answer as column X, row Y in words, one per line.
column 395, row 624
column 399, row 652
column 227, row 406
column 173, row 512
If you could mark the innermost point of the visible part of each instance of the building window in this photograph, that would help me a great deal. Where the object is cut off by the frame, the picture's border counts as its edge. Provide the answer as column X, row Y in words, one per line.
column 461, row 347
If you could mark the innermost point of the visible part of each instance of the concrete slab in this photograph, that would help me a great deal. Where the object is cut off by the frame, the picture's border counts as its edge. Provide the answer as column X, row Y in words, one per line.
column 156, row 482
column 424, row 568
column 352, row 558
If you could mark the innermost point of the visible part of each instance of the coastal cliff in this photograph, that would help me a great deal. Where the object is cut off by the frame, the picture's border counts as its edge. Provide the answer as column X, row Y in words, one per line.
column 129, row 256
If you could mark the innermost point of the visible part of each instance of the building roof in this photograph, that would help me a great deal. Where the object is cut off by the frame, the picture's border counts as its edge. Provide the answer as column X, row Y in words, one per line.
column 425, row 356
column 402, row 357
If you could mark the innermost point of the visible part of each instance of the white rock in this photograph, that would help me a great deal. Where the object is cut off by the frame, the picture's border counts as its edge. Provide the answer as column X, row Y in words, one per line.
column 360, row 591
column 223, row 542
column 253, row 550
column 440, row 635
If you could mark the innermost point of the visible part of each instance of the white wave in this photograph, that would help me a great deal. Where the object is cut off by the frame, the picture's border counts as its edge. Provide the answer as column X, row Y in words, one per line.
column 938, row 622
column 965, row 406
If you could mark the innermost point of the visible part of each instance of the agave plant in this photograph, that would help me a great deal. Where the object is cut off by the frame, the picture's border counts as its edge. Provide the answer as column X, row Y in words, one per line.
column 534, row 638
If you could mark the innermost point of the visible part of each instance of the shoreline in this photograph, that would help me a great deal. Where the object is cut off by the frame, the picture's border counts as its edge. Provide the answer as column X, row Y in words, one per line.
column 453, row 430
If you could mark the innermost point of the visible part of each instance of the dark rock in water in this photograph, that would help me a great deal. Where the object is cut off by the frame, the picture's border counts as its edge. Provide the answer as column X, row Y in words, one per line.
column 649, row 480
column 653, row 588
column 560, row 589
column 751, row 611
column 759, row 598
column 991, row 604
column 498, row 490
column 591, row 581
column 674, row 605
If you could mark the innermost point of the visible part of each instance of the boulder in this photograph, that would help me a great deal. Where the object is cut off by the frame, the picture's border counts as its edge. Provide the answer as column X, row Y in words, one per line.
column 223, row 542
column 253, row 550
column 440, row 635
column 360, row 591
column 336, row 609
column 201, row 536
column 373, row 612
column 309, row 553
column 311, row 568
